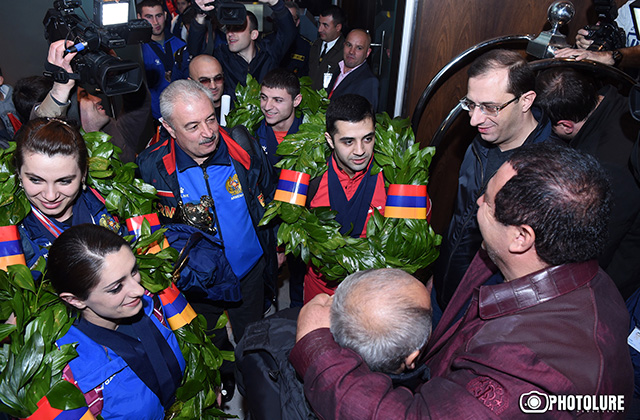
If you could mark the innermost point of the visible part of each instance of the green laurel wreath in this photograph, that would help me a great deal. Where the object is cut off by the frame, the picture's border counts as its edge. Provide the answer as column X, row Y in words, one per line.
column 314, row 234
column 30, row 363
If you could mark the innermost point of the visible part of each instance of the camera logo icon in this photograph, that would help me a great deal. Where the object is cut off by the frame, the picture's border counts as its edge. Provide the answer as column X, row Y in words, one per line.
column 534, row 402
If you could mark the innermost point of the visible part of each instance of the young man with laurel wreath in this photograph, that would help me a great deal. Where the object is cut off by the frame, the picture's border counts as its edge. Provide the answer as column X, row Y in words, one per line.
column 347, row 186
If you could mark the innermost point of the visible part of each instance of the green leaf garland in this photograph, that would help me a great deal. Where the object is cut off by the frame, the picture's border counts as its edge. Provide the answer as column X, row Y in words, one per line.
column 30, row 363
column 313, row 234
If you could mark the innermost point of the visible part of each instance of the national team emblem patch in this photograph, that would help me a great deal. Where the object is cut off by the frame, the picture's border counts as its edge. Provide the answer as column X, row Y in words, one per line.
column 233, row 185
column 109, row 223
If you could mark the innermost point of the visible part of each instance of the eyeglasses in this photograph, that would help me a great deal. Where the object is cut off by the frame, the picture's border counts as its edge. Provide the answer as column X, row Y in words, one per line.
column 208, row 80
column 490, row 110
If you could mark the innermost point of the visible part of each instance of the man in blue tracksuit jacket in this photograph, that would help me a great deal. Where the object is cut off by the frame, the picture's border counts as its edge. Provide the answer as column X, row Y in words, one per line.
column 165, row 56
column 208, row 180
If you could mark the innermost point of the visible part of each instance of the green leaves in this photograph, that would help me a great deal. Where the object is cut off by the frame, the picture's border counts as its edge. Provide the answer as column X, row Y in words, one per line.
column 29, row 361
column 408, row 244
column 125, row 196
column 195, row 398
column 14, row 205
column 247, row 107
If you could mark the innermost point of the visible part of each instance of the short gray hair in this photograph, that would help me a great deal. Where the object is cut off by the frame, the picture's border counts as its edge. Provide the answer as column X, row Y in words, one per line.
column 399, row 327
column 182, row 90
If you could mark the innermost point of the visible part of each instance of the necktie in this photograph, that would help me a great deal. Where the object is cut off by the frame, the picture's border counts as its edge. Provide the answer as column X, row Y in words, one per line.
column 324, row 51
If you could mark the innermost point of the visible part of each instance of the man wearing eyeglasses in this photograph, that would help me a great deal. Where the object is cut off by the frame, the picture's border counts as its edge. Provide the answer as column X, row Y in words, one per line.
column 207, row 70
column 500, row 96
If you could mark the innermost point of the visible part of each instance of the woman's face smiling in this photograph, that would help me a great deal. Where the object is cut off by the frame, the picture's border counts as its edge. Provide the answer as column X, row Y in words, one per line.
column 117, row 296
column 51, row 183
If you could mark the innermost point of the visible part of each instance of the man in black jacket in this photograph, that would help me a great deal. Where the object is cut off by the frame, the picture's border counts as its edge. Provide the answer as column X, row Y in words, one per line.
column 244, row 53
column 353, row 74
column 326, row 51
column 599, row 123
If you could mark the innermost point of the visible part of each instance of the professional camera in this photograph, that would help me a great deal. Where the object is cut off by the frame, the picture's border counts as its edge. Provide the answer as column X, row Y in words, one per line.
column 227, row 12
column 110, row 29
column 606, row 34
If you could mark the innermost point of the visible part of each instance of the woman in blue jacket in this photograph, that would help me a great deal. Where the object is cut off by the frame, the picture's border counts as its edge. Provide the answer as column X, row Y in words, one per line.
column 51, row 162
column 129, row 364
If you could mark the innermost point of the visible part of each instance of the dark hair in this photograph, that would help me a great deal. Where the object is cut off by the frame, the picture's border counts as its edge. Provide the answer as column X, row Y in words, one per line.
column 336, row 14
column 293, row 5
column 29, row 91
column 147, row 3
column 564, row 195
column 351, row 107
column 253, row 21
column 0, row 72
column 77, row 256
column 50, row 136
column 566, row 94
column 282, row 79
column 521, row 78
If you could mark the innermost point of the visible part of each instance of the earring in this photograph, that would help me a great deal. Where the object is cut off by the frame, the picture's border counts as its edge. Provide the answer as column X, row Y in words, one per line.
column 84, row 186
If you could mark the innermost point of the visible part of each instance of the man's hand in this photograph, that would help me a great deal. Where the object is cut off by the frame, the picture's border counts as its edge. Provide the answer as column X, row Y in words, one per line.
column 604, row 57
column 314, row 315
column 56, row 55
column 581, row 41
column 269, row 2
column 61, row 91
column 201, row 5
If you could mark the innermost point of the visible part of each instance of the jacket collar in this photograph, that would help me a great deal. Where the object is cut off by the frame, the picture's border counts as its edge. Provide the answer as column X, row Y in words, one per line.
column 235, row 151
column 533, row 289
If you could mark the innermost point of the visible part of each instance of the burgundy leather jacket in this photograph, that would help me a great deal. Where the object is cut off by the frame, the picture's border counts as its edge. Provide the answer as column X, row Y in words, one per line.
column 558, row 331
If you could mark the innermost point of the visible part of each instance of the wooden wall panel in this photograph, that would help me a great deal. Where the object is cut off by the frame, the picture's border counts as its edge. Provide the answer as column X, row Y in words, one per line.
column 443, row 30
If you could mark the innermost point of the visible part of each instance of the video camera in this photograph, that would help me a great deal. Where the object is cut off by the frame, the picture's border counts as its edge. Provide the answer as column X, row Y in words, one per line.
column 227, row 12
column 606, row 34
column 110, row 29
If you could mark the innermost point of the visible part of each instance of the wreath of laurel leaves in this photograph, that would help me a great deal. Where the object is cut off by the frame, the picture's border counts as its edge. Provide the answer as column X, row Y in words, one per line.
column 30, row 363
column 314, row 234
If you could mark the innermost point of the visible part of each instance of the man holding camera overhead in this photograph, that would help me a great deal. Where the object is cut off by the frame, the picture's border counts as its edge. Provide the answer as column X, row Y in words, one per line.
column 244, row 53
column 64, row 100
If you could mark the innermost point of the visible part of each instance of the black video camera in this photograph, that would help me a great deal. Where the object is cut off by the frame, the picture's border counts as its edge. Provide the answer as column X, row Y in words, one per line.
column 227, row 12
column 606, row 34
column 110, row 29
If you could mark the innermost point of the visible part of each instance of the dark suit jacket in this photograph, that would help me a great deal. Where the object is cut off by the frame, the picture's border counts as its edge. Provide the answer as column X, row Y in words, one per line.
column 318, row 68
column 361, row 81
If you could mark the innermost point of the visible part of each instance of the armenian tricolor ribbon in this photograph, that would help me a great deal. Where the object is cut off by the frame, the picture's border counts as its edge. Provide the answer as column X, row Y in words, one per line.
column 10, row 248
column 292, row 187
column 176, row 308
column 408, row 202
column 46, row 412
column 134, row 224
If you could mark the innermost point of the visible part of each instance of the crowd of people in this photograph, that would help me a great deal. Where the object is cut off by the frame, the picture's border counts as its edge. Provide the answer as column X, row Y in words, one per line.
column 529, row 303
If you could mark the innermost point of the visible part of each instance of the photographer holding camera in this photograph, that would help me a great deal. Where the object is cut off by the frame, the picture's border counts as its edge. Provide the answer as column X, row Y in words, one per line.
column 65, row 100
column 613, row 41
column 245, row 53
